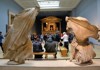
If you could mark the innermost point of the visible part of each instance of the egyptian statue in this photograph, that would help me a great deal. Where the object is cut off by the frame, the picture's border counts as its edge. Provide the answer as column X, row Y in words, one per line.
column 81, row 49
column 17, row 45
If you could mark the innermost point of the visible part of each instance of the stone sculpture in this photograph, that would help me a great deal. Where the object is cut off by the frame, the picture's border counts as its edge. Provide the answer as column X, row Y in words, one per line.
column 81, row 49
column 17, row 45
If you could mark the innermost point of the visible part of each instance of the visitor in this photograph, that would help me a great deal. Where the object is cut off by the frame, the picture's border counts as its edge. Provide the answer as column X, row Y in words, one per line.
column 65, row 40
column 37, row 47
column 50, row 46
column 1, row 37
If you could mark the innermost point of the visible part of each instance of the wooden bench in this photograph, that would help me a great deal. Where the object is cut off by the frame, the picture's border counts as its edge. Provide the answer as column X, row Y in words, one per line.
column 44, row 53
column 63, row 51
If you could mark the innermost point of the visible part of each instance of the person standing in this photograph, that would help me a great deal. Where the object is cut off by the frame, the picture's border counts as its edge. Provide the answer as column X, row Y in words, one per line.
column 71, row 36
column 1, row 37
column 57, row 39
column 65, row 40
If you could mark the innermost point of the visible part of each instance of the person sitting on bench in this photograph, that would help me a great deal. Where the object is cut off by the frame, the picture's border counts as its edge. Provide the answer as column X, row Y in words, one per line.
column 37, row 47
column 50, row 46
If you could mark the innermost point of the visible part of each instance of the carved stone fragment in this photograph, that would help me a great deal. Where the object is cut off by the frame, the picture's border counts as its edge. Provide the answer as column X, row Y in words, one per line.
column 17, row 45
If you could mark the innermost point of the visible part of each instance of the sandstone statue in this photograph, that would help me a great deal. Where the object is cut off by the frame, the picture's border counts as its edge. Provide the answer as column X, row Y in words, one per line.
column 81, row 50
column 17, row 45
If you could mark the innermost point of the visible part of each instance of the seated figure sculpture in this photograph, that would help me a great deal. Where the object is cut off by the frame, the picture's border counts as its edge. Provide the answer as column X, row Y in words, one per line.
column 17, row 45
column 81, row 49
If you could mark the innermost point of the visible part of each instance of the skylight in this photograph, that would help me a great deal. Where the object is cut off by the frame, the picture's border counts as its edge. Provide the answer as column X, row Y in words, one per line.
column 46, row 3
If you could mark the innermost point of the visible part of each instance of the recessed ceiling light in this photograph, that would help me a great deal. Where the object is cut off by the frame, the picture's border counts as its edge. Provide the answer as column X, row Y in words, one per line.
column 46, row 3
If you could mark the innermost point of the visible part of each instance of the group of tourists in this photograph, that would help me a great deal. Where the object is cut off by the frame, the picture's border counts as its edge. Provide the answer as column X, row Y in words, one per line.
column 51, row 42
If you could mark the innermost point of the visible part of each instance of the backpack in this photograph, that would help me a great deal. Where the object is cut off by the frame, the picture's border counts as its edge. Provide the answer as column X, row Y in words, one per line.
column 60, row 44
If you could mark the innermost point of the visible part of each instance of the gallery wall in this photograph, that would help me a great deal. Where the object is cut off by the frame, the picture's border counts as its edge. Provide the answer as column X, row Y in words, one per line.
column 90, row 10
column 98, row 12
column 6, row 5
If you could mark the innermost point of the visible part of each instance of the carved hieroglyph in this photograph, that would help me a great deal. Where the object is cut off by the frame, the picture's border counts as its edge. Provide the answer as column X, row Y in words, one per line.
column 17, row 45
column 82, row 50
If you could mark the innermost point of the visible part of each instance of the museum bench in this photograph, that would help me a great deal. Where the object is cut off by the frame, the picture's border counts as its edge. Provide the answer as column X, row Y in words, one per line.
column 45, row 53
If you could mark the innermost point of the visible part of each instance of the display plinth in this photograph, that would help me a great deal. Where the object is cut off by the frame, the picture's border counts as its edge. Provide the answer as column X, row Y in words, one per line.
column 49, row 65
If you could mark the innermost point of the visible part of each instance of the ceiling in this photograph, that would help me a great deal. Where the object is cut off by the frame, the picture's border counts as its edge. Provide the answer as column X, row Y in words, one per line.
column 64, row 5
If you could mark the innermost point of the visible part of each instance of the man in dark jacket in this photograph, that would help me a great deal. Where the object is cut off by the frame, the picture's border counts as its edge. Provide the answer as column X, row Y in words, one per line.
column 50, row 46
column 37, row 47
